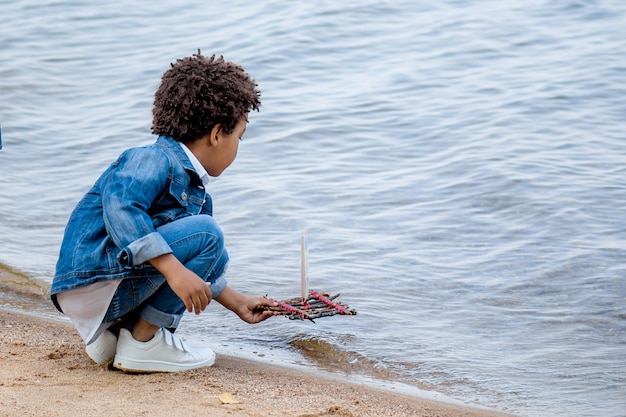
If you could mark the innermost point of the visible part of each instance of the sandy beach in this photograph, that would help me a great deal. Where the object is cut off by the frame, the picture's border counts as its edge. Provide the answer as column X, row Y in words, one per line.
column 46, row 372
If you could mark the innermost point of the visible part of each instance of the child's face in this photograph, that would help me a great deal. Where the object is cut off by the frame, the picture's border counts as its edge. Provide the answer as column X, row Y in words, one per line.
column 226, row 149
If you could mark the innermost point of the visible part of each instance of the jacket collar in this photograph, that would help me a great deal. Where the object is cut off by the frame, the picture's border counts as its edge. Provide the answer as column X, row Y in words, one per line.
column 174, row 146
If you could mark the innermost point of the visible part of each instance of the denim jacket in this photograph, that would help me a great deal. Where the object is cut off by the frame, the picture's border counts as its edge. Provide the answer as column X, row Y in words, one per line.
column 112, row 231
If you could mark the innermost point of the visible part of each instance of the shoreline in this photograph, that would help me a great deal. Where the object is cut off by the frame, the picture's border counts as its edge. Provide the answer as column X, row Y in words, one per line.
column 49, row 374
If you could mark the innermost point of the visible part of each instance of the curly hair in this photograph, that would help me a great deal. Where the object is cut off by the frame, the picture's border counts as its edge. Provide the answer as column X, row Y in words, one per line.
column 197, row 93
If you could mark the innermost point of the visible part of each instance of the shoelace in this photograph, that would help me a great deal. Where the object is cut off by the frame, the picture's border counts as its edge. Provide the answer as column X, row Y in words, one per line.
column 174, row 341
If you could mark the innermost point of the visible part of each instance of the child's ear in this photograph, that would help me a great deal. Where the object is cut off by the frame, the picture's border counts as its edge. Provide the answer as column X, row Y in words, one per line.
column 214, row 135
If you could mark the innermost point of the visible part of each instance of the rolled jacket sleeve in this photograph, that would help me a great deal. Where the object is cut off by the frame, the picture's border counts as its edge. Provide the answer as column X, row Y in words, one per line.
column 143, row 249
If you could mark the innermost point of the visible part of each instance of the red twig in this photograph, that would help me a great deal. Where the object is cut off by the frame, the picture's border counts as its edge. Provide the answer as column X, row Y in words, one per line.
column 291, row 309
column 329, row 303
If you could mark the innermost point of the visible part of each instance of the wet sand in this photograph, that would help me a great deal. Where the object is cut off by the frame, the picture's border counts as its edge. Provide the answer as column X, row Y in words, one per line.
column 46, row 372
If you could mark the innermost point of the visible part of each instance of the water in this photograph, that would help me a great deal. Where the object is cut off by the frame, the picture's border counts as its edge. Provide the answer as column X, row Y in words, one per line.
column 458, row 166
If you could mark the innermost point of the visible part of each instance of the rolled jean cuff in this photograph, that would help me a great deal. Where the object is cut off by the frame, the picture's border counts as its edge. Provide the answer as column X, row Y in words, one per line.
column 218, row 285
column 159, row 318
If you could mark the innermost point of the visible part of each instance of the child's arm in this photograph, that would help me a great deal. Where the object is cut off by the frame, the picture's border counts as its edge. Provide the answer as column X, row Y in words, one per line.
column 189, row 287
column 244, row 306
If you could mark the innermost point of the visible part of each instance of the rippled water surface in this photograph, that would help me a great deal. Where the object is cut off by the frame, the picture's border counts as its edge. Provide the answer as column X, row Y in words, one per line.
column 459, row 167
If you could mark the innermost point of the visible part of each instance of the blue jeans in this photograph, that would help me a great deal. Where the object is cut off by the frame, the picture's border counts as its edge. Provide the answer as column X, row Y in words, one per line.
column 198, row 243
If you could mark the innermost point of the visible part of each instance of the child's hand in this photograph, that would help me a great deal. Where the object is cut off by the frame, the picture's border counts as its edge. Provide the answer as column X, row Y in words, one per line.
column 189, row 287
column 253, row 311
column 192, row 290
column 249, row 309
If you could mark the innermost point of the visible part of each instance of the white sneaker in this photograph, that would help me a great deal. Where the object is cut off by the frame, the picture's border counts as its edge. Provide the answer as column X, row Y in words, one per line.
column 103, row 348
column 165, row 352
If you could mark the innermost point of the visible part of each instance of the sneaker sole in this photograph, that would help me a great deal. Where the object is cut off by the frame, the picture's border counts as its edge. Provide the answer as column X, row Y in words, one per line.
column 134, row 365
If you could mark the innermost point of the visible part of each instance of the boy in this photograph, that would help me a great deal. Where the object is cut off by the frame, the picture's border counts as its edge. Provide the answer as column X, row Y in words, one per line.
column 141, row 247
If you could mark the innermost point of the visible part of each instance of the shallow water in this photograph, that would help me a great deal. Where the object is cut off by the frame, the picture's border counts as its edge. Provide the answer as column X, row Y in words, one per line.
column 458, row 167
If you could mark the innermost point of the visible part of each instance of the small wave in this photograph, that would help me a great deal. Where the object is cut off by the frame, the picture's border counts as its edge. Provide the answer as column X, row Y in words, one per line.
column 331, row 357
column 21, row 291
